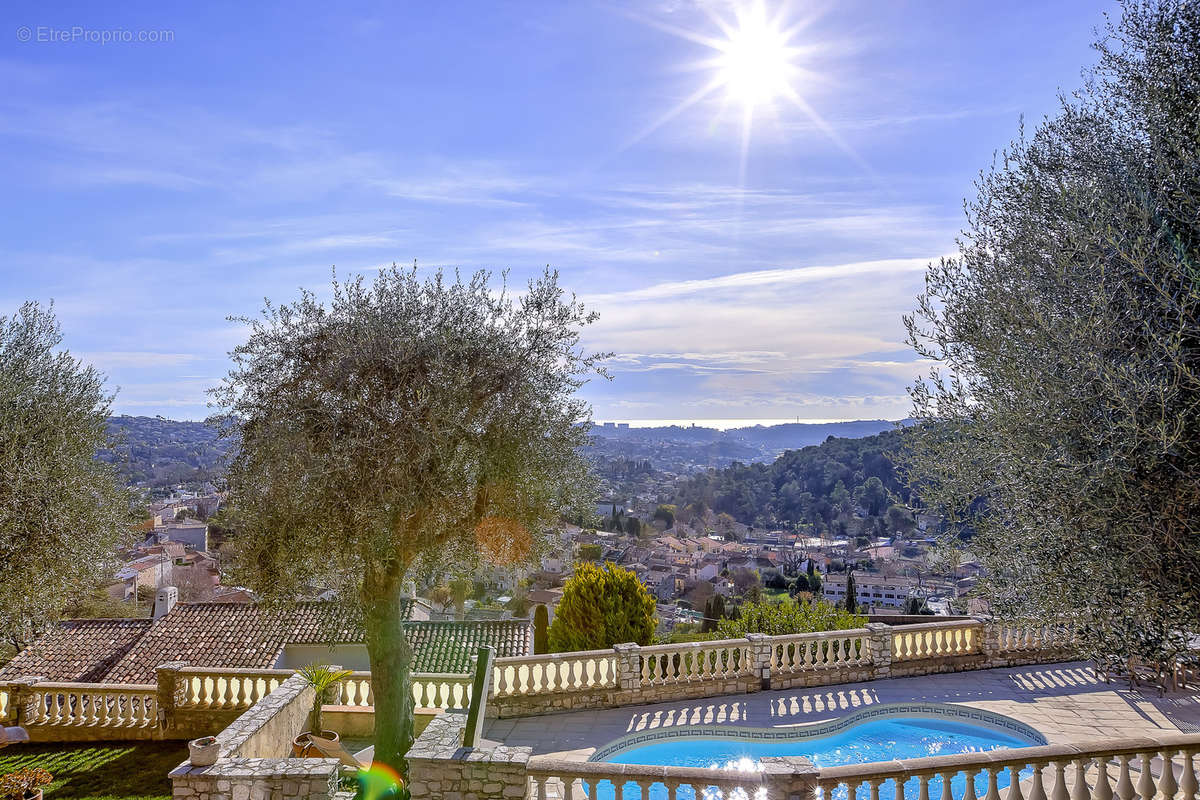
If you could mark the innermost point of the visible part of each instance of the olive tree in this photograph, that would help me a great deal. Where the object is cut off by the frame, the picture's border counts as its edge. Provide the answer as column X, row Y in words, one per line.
column 402, row 426
column 1061, row 427
column 63, row 513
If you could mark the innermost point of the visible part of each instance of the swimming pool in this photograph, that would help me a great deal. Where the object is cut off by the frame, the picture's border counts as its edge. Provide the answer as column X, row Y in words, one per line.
column 882, row 736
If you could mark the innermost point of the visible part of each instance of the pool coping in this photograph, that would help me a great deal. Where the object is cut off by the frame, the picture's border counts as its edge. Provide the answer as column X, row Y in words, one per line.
column 798, row 732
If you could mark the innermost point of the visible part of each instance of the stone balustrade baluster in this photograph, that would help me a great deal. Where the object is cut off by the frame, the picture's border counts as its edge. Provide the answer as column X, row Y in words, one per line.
column 1080, row 790
column 969, row 774
column 1188, row 787
column 947, row 789
column 1167, row 785
column 1037, row 788
column 1125, row 789
column 993, row 790
column 1145, row 784
column 1014, row 783
column 1102, row 790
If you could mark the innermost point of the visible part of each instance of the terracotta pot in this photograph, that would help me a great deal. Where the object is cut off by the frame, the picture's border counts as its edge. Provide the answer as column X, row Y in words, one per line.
column 36, row 794
column 301, row 746
column 203, row 752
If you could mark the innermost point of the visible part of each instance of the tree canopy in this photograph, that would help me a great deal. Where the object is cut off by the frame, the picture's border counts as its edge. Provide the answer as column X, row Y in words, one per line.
column 63, row 513
column 405, row 424
column 1063, row 420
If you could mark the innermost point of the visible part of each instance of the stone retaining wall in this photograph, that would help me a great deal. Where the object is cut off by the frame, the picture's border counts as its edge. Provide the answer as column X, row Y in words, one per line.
column 252, row 763
column 440, row 767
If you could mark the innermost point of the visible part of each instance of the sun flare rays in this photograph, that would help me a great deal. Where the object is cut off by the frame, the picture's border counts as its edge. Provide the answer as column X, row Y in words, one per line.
column 760, row 66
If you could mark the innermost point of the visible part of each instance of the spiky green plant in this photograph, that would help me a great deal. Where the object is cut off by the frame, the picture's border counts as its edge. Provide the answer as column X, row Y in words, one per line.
column 321, row 677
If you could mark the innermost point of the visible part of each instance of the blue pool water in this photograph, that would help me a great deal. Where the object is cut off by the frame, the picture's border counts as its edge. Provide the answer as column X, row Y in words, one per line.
column 876, row 740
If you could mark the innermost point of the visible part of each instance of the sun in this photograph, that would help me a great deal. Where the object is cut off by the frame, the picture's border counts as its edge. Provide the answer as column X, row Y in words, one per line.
column 755, row 64
column 760, row 63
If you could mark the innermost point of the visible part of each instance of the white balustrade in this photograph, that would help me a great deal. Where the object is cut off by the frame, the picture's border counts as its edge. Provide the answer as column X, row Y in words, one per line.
column 554, row 672
column 556, row 779
column 935, row 639
column 803, row 652
column 198, row 687
column 93, row 705
column 669, row 664
column 1145, row 769
column 432, row 690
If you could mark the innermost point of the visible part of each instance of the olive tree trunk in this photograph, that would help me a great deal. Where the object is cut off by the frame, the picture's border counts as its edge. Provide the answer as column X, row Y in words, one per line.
column 391, row 661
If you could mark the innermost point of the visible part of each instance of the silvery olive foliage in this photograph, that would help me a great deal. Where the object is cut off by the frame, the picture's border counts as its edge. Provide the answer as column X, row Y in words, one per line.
column 402, row 424
column 63, row 514
column 1062, row 421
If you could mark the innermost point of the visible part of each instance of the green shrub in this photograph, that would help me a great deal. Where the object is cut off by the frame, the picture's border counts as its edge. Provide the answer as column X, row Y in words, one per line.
column 601, row 607
column 778, row 619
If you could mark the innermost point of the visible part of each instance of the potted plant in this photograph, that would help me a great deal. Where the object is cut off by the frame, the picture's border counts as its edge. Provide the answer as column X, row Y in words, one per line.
column 24, row 784
column 322, row 678
column 203, row 752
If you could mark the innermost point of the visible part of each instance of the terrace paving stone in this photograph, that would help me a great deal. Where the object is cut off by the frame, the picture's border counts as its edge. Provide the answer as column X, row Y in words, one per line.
column 1065, row 702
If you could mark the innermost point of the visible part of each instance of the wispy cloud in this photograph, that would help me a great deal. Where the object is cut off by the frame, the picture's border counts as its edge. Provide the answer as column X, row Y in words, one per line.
column 136, row 359
column 766, row 277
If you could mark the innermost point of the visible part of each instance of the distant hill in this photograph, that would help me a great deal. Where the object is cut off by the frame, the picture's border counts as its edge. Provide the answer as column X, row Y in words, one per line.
column 843, row 485
column 158, row 452
column 682, row 449
column 802, row 434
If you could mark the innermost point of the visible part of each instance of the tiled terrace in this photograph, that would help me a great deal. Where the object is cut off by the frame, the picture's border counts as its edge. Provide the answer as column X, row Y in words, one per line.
column 1066, row 702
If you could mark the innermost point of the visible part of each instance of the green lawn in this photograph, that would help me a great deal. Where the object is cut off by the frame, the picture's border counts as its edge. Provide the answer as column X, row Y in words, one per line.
column 110, row 771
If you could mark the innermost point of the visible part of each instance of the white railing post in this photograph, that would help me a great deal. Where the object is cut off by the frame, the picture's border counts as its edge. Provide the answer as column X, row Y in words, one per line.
column 629, row 666
column 880, row 647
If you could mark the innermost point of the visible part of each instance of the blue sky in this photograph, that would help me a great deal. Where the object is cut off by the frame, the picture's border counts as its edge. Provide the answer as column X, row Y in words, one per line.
column 152, row 189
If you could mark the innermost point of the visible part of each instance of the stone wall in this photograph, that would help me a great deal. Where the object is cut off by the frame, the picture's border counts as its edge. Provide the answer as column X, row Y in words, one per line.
column 252, row 764
column 440, row 767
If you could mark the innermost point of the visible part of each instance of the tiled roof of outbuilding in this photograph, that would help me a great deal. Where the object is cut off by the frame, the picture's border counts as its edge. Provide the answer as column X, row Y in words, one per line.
column 82, row 650
column 246, row 635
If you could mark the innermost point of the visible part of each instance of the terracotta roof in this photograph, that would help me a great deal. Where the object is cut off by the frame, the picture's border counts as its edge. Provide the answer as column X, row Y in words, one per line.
column 249, row 635
column 82, row 650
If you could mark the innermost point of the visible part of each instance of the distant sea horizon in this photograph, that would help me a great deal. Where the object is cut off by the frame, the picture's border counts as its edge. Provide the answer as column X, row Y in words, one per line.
column 724, row 424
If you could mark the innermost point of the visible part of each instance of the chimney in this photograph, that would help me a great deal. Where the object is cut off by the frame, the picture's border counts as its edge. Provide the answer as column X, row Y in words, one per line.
column 165, row 600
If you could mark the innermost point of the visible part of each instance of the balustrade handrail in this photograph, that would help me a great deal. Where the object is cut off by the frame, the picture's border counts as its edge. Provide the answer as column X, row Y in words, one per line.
column 445, row 677
column 551, row 767
column 681, row 647
column 820, row 635
column 935, row 626
column 538, row 658
column 236, row 672
column 84, row 688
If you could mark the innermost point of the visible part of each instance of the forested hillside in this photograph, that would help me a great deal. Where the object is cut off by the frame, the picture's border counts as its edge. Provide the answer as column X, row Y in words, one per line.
column 837, row 485
column 153, row 451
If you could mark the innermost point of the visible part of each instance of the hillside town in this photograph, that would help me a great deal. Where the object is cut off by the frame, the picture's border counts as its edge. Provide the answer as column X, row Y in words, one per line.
column 683, row 564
